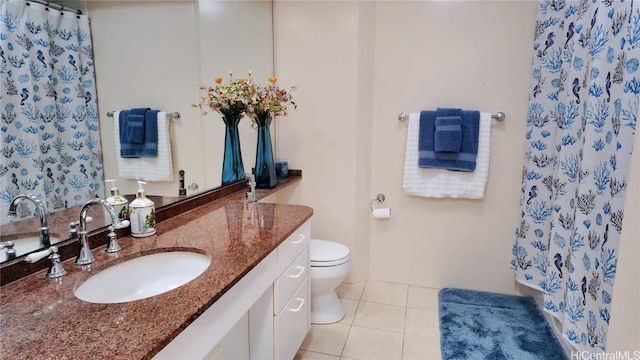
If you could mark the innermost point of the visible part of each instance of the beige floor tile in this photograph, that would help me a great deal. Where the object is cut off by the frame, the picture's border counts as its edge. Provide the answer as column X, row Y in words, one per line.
column 350, row 307
column 385, row 293
column 310, row 355
column 380, row 316
column 422, row 322
column 326, row 339
column 421, row 348
column 422, row 298
column 372, row 344
column 351, row 291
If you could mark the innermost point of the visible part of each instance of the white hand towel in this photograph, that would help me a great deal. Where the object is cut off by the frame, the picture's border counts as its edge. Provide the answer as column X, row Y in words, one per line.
column 440, row 183
column 158, row 168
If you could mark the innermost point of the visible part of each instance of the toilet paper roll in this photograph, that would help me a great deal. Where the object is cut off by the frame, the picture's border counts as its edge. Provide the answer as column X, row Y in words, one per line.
column 381, row 213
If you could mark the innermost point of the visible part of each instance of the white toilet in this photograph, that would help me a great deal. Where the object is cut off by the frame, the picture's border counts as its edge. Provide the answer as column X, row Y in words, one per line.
column 330, row 265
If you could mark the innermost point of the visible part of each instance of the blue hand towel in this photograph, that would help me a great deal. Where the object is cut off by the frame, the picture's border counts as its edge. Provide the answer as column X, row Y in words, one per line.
column 441, row 112
column 123, row 119
column 149, row 148
column 465, row 160
column 448, row 133
column 135, row 129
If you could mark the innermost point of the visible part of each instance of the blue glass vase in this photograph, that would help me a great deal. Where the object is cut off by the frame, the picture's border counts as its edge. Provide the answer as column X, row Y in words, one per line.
column 232, row 168
column 265, row 164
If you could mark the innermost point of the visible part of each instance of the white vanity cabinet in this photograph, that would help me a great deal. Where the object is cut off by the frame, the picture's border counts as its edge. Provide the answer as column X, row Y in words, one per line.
column 265, row 315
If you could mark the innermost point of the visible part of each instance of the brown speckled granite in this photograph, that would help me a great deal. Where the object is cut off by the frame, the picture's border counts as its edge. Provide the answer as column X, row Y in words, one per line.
column 43, row 319
column 16, row 269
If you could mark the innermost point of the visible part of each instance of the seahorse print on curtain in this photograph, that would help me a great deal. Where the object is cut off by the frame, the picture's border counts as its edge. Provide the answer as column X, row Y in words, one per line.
column 583, row 110
column 50, row 128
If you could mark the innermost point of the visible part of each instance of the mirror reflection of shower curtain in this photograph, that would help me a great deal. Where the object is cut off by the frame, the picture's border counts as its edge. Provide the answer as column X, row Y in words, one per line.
column 583, row 112
column 50, row 126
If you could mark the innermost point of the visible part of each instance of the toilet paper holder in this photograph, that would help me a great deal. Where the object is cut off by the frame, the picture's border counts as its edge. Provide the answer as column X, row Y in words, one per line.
column 379, row 198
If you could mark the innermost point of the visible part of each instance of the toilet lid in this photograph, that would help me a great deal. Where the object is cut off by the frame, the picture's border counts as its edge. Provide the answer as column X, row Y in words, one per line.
column 325, row 252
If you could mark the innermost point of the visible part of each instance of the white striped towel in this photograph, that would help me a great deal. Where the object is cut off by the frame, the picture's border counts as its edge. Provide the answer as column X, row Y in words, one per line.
column 158, row 168
column 441, row 183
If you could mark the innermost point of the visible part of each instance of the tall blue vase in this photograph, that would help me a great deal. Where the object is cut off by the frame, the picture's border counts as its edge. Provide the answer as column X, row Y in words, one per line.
column 265, row 164
column 232, row 168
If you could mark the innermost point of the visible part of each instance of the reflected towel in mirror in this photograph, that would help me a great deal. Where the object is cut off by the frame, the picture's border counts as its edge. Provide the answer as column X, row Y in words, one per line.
column 138, row 132
column 159, row 168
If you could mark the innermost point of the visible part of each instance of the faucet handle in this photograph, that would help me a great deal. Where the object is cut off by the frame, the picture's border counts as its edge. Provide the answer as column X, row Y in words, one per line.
column 121, row 224
column 73, row 226
column 11, row 252
column 113, row 245
column 37, row 256
column 56, row 270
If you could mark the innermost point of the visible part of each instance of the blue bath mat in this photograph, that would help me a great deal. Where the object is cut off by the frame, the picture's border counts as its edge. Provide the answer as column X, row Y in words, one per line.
column 489, row 326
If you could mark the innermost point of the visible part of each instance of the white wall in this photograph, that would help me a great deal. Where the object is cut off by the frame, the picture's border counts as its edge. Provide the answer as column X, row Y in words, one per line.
column 352, row 84
column 318, row 47
column 450, row 54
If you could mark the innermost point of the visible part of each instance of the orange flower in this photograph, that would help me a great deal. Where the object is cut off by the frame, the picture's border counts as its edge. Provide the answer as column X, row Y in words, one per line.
column 273, row 79
column 218, row 80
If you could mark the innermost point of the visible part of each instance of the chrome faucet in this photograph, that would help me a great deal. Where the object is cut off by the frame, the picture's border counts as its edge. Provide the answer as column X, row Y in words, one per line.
column 44, row 227
column 85, row 256
column 251, row 195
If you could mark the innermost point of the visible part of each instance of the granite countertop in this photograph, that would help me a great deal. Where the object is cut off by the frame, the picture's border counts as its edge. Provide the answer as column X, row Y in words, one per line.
column 43, row 319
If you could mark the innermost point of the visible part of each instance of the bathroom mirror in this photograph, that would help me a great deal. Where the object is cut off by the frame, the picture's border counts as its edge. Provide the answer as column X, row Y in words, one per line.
column 156, row 53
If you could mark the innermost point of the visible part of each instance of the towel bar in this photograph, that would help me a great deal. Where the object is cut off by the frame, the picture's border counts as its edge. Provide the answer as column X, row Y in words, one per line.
column 499, row 116
column 173, row 115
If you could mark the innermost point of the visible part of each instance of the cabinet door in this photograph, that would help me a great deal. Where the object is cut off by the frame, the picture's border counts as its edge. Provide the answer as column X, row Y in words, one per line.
column 261, row 328
column 292, row 324
column 235, row 345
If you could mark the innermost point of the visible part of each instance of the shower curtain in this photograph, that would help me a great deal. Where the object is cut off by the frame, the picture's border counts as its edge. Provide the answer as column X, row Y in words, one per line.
column 50, row 133
column 583, row 110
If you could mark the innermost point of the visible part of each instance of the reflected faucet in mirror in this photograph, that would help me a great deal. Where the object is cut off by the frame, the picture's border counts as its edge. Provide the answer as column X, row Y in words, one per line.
column 251, row 195
column 44, row 228
column 85, row 256
column 10, row 252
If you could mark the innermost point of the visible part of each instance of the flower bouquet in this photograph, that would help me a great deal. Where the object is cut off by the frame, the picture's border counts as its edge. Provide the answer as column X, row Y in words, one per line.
column 267, row 102
column 231, row 101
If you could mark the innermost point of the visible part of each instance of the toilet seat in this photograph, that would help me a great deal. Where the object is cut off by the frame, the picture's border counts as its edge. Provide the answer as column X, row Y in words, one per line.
column 324, row 253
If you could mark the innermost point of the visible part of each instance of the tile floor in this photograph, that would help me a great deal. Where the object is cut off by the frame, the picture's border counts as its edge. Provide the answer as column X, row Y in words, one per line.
column 385, row 321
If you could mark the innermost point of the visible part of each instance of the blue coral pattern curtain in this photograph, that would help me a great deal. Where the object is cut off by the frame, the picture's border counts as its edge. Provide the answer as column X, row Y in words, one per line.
column 50, row 132
column 583, row 112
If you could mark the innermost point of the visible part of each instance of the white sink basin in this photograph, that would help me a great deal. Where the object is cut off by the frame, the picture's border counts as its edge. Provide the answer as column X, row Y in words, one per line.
column 142, row 277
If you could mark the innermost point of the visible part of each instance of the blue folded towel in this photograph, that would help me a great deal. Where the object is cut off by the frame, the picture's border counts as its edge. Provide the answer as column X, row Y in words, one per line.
column 149, row 147
column 465, row 160
column 135, row 129
column 441, row 112
column 448, row 133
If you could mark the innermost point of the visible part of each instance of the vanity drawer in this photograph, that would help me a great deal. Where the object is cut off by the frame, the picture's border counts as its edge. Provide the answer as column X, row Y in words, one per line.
column 292, row 325
column 289, row 249
column 289, row 281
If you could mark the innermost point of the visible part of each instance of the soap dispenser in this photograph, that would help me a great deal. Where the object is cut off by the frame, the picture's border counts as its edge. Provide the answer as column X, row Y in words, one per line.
column 142, row 214
column 117, row 201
